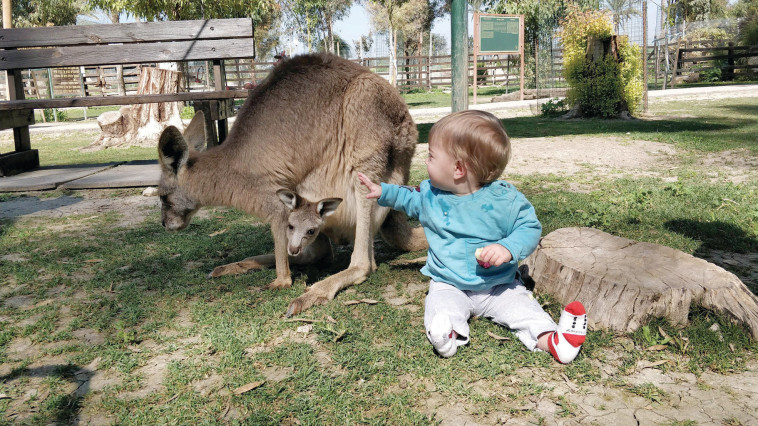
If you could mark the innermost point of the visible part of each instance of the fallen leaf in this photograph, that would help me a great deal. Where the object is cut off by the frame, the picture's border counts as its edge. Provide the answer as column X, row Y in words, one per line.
column 356, row 302
column 657, row 348
column 731, row 347
column 496, row 337
column 655, row 364
column 172, row 398
column 4, row 396
column 93, row 260
column 663, row 333
column 218, row 232
column 248, row 387
column 330, row 319
column 302, row 320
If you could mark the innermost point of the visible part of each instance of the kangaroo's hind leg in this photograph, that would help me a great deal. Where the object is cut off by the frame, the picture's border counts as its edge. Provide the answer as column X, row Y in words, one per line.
column 319, row 251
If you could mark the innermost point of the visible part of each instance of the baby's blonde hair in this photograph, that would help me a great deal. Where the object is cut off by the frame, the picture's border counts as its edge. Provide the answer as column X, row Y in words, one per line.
column 478, row 139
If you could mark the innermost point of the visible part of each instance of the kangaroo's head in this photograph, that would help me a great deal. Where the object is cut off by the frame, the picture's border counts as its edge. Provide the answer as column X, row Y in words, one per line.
column 306, row 219
column 177, row 206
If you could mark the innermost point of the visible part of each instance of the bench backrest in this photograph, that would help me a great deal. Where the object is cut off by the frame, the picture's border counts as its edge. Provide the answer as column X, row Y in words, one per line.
column 131, row 43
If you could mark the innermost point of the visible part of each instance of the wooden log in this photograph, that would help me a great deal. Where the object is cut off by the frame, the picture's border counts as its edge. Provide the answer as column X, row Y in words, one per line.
column 624, row 283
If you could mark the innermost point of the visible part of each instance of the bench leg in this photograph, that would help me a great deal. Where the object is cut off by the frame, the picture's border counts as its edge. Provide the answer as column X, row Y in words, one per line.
column 223, row 130
column 17, row 162
column 21, row 160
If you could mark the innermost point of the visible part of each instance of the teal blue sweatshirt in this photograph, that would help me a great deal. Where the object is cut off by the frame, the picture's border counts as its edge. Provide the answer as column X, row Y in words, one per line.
column 455, row 226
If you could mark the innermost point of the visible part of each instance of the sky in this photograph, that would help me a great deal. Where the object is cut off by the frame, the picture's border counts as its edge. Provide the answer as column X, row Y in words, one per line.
column 358, row 23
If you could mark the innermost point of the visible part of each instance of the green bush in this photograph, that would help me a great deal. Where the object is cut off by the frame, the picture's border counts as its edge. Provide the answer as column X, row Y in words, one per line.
column 603, row 88
column 554, row 107
column 749, row 31
column 52, row 114
column 712, row 74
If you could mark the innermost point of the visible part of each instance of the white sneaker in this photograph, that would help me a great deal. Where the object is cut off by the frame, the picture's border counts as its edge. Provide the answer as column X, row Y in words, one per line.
column 442, row 336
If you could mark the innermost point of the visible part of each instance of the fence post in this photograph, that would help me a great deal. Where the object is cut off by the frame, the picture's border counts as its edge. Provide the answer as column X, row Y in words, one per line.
column 730, row 62
column 459, row 59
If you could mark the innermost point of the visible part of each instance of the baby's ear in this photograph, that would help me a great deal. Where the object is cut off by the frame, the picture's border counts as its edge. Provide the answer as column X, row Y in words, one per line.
column 460, row 169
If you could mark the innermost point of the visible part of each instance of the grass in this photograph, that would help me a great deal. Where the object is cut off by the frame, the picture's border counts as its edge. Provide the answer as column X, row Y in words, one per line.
column 128, row 305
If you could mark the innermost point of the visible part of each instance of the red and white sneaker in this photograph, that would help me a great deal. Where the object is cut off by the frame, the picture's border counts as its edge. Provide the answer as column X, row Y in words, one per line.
column 565, row 343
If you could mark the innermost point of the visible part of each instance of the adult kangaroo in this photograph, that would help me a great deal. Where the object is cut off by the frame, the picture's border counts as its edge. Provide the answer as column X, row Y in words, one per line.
column 291, row 158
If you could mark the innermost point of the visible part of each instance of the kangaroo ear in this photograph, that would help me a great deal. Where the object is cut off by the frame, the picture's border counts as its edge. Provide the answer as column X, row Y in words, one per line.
column 172, row 150
column 289, row 198
column 328, row 206
column 194, row 134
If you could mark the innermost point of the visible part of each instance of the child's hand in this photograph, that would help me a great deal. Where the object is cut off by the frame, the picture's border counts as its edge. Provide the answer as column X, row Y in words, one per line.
column 494, row 255
column 374, row 190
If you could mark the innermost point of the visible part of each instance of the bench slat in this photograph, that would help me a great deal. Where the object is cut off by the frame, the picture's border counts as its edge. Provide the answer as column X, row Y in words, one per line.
column 121, row 100
column 126, row 54
column 126, row 33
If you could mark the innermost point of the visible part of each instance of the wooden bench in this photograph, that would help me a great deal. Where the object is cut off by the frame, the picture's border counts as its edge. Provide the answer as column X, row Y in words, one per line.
column 133, row 43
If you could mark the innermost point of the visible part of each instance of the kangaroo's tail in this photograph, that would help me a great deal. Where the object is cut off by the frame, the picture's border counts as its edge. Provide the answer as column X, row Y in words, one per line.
column 396, row 232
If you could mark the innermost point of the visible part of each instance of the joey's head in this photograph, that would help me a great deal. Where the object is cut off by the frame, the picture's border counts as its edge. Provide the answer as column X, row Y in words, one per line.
column 305, row 219
column 177, row 206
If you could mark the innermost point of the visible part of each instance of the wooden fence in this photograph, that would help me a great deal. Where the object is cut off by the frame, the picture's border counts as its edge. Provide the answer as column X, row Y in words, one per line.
column 721, row 60
column 692, row 60
column 414, row 73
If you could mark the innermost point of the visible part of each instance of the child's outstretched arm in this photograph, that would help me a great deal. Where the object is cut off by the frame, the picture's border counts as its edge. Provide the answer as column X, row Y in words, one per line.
column 374, row 190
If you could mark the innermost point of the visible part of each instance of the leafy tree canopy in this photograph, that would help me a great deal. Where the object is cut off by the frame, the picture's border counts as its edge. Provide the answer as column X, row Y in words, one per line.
column 541, row 17
column 39, row 13
column 262, row 12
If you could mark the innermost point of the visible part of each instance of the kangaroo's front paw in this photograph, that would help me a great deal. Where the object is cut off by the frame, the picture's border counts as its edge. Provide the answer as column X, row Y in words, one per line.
column 305, row 301
column 279, row 283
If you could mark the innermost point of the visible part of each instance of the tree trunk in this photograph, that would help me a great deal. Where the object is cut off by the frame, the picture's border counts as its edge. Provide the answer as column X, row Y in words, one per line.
column 598, row 50
column 141, row 124
column 624, row 283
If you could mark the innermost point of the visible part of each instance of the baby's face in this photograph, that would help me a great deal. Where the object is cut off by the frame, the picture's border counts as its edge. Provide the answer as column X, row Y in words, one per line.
column 440, row 166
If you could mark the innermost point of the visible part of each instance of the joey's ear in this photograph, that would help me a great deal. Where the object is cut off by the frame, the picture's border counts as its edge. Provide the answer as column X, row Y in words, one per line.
column 328, row 206
column 194, row 134
column 172, row 150
column 289, row 198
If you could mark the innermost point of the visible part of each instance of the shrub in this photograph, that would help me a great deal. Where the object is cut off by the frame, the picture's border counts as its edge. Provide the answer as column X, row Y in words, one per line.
column 58, row 114
column 554, row 107
column 749, row 31
column 602, row 88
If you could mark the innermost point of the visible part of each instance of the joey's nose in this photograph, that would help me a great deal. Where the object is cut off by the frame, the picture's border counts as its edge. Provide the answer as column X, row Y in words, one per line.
column 293, row 251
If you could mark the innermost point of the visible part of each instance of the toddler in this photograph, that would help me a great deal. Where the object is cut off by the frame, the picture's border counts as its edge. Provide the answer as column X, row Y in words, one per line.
column 478, row 228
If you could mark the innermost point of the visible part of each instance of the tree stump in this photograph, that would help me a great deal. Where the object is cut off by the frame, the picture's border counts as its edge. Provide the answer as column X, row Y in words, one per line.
column 142, row 124
column 623, row 283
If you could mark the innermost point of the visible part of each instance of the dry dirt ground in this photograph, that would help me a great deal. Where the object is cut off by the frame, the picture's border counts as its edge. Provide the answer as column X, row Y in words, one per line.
column 710, row 398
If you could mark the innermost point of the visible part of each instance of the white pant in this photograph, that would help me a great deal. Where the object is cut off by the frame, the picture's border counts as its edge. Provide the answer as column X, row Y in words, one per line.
column 510, row 305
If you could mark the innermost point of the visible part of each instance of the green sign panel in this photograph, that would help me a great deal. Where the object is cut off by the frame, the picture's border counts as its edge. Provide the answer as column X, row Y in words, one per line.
column 498, row 34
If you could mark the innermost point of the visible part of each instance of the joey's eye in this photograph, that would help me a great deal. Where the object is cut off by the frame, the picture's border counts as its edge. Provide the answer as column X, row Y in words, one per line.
column 311, row 231
column 290, row 227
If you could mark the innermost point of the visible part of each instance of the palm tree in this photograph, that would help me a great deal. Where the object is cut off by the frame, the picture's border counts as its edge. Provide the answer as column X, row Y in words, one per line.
column 622, row 11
